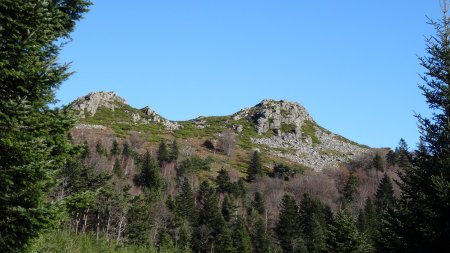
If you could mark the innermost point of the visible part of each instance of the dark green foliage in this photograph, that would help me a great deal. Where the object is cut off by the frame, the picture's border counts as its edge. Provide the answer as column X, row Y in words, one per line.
column 288, row 226
column 391, row 158
column 209, row 145
column 377, row 163
column 115, row 149
column 138, row 226
column 99, row 148
column 174, row 151
column 255, row 167
column 228, row 208
column 260, row 239
column 385, row 194
column 238, row 189
column 351, row 189
column 421, row 221
column 258, row 203
column 194, row 163
column 241, row 238
column 165, row 243
column 223, row 181
column 85, row 152
column 284, row 172
column 403, row 157
column 368, row 222
column 126, row 149
column 185, row 203
column 223, row 242
column 163, row 153
column 34, row 142
column 117, row 169
column 149, row 177
column 343, row 235
column 313, row 223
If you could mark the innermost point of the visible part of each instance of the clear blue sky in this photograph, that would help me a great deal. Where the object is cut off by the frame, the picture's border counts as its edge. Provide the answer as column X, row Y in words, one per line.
column 352, row 63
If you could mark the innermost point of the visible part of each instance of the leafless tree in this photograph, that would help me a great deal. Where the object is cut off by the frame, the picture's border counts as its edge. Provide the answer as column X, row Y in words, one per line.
column 227, row 142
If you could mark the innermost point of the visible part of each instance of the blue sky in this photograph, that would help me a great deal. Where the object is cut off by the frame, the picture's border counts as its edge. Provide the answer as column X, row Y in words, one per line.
column 353, row 64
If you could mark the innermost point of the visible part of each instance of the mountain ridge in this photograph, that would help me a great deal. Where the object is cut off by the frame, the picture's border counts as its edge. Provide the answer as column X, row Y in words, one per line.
column 281, row 128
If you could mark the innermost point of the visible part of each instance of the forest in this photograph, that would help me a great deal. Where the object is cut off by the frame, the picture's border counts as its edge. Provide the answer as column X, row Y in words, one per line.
column 63, row 189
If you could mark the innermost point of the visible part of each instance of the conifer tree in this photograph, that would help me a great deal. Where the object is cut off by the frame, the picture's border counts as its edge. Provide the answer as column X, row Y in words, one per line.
column 117, row 169
column 258, row 203
column 288, row 226
column 149, row 177
column 163, row 153
column 33, row 135
column 115, row 149
column 241, row 238
column 185, row 203
column 350, row 189
column 261, row 240
column 174, row 151
column 343, row 236
column 227, row 208
column 420, row 223
column 223, row 181
column 377, row 163
column 385, row 194
column 255, row 167
column 313, row 223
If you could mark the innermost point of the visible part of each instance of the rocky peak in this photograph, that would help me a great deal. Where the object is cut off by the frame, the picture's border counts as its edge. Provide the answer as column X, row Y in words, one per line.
column 94, row 100
column 275, row 116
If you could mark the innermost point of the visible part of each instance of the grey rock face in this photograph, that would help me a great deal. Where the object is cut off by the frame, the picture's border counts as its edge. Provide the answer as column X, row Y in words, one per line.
column 271, row 115
column 280, row 125
column 92, row 101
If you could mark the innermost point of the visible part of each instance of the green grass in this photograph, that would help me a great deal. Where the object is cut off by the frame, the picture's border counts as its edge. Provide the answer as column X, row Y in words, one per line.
column 288, row 128
column 308, row 128
column 65, row 242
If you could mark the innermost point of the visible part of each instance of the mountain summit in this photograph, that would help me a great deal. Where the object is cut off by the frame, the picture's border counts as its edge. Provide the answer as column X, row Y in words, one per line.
column 282, row 129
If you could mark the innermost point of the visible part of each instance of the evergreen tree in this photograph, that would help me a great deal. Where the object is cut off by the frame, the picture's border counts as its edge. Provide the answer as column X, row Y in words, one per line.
column 126, row 150
column 223, row 242
column 377, row 163
column 117, row 169
column 288, row 226
column 149, row 177
column 385, row 194
column 115, row 149
column 391, row 158
column 261, row 240
column 86, row 150
column 34, row 135
column 241, row 238
column 343, row 235
column 228, row 208
column 258, row 203
column 185, row 203
column 313, row 223
column 402, row 154
column 368, row 222
column 255, row 167
column 350, row 189
column 137, row 227
column 421, row 223
column 163, row 153
column 174, row 151
column 165, row 244
column 223, row 181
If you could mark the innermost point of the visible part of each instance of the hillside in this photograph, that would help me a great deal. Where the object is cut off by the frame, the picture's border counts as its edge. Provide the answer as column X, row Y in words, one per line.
column 282, row 130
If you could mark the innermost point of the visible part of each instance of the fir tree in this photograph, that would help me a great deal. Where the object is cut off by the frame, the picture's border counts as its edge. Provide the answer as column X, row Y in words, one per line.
column 99, row 148
column 313, row 223
column 163, row 153
column 223, row 181
column 185, row 203
column 377, row 163
column 421, row 222
column 174, row 151
column 227, row 208
column 126, row 150
column 343, row 236
column 258, row 203
column 138, row 227
column 117, row 169
column 288, row 226
column 34, row 135
column 241, row 238
column 260, row 238
column 385, row 194
column 255, row 167
column 350, row 189
column 149, row 177
column 115, row 149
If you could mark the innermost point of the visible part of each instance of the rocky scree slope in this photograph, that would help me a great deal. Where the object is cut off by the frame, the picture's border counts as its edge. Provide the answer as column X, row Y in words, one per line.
column 281, row 128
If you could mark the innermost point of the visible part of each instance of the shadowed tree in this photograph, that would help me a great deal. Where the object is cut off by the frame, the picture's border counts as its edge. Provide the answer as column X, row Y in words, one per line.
column 33, row 135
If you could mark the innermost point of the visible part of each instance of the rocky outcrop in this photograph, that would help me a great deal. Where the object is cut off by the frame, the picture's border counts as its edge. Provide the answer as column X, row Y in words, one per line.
column 289, row 131
column 271, row 115
column 89, row 104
